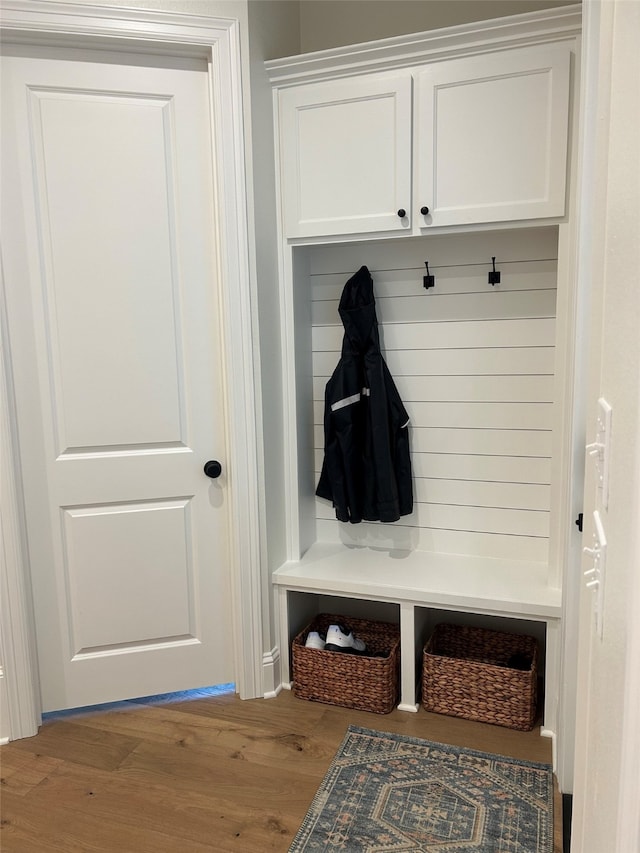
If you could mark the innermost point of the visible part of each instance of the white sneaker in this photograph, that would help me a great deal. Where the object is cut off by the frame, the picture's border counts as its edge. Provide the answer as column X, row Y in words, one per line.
column 314, row 640
column 341, row 640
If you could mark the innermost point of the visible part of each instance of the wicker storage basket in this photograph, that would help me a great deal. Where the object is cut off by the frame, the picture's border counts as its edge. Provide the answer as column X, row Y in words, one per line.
column 473, row 673
column 353, row 681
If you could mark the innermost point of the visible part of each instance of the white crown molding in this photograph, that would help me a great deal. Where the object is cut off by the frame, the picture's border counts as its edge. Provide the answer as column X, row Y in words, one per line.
column 434, row 45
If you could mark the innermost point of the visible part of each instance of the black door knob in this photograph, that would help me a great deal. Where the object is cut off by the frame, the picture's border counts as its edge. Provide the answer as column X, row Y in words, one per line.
column 424, row 210
column 212, row 469
column 402, row 213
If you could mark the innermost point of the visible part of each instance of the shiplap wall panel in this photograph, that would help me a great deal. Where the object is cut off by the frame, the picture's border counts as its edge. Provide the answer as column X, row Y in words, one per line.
column 539, row 332
column 482, row 493
column 475, row 493
column 400, row 537
column 505, row 442
column 474, row 365
column 460, row 466
column 487, row 361
column 477, row 519
column 467, row 415
column 530, row 443
column 466, row 389
column 460, row 278
column 428, row 307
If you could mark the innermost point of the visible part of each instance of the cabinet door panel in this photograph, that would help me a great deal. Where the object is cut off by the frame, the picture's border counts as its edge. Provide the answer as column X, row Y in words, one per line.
column 492, row 137
column 346, row 156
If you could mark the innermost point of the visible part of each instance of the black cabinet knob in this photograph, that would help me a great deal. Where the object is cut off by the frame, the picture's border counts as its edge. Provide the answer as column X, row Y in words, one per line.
column 424, row 210
column 402, row 213
column 212, row 469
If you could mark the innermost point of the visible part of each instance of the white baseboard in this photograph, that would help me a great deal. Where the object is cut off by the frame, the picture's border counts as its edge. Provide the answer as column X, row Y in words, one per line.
column 271, row 676
column 554, row 745
column 5, row 724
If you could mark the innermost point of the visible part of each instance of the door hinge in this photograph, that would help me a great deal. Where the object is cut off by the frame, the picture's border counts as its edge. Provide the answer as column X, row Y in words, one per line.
column 579, row 521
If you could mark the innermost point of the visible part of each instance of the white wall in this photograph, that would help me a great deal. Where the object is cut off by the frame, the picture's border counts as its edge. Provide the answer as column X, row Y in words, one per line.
column 333, row 23
column 606, row 809
column 208, row 8
column 274, row 30
column 19, row 690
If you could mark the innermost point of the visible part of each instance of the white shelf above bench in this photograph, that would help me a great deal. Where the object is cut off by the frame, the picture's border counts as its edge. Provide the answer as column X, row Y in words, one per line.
column 447, row 581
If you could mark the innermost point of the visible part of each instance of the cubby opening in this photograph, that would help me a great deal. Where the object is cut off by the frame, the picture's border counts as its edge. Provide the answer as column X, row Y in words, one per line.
column 303, row 607
column 475, row 366
column 426, row 619
column 417, row 622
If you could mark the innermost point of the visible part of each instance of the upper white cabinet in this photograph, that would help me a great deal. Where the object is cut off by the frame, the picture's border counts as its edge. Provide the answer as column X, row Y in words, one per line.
column 491, row 140
column 345, row 151
column 464, row 141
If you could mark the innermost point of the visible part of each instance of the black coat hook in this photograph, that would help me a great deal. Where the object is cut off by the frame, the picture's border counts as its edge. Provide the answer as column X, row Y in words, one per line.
column 428, row 280
column 494, row 275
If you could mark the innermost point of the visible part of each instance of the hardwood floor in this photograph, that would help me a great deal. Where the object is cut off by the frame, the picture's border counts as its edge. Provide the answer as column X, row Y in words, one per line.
column 213, row 774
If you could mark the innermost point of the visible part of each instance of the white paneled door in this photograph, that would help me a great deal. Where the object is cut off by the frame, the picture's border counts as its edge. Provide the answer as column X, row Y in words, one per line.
column 110, row 269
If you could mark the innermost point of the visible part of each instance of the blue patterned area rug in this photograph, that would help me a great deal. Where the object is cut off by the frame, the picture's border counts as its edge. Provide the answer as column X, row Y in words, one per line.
column 386, row 792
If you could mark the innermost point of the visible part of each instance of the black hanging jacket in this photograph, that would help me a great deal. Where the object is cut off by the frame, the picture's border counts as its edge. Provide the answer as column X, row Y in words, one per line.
column 366, row 471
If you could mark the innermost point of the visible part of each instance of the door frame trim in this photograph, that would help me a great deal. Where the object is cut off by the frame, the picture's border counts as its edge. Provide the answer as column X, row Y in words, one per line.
column 217, row 40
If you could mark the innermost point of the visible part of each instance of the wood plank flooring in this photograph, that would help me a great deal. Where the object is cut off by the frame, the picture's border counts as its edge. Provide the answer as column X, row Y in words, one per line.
column 211, row 774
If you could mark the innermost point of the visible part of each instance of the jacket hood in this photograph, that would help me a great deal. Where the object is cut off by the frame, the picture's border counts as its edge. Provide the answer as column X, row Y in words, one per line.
column 357, row 310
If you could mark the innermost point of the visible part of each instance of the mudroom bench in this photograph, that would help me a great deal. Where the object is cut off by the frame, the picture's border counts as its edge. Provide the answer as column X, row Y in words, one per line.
column 417, row 590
